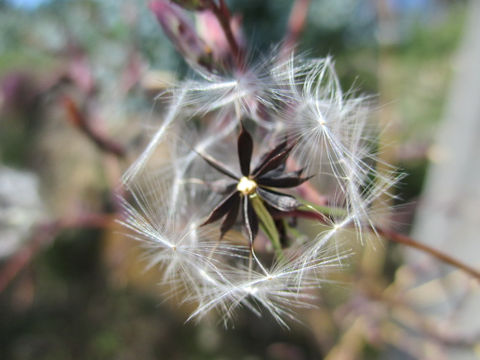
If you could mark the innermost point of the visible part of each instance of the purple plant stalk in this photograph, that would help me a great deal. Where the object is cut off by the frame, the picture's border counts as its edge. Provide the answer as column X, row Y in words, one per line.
column 235, row 142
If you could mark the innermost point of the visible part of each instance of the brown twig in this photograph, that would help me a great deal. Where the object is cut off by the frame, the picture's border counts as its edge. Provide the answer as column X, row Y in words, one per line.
column 296, row 24
column 397, row 238
column 78, row 118
column 403, row 239
column 222, row 13
column 408, row 241
column 43, row 235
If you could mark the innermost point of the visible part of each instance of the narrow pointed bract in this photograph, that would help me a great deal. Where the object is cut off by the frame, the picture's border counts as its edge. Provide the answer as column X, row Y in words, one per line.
column 279, row 201
column 288, row 180
column 269, row 173
column 274, row 161
column 231, row 217
column 218, row 166
column 245, row 149
column 223, row 208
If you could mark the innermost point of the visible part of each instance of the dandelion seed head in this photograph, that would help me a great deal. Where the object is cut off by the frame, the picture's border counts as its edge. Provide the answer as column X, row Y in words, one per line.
column 295, row 100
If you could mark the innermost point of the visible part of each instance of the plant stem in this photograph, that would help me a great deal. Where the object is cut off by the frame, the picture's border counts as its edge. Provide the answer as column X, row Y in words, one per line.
column 222, row 14
column 296, row 23
column 43, row 236
column 325, row 210
column 306, row 211
column 79, row 119
column 267, row 224
column 408, row 241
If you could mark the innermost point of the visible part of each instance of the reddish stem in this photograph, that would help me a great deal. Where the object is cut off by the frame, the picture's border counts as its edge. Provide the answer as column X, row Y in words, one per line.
column 296, row 24
column 302, row 214
column 397, row 238
column 79, row 119
column 408, row 241
column 223, row 16
column 44, row 234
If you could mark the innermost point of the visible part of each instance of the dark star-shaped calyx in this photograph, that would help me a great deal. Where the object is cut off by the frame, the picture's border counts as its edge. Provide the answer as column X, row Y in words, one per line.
column 268, row 174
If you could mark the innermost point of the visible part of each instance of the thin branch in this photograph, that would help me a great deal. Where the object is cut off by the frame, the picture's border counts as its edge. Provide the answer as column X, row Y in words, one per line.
column 43, row 236
column 392, row 236
column 79, row 119
column 296, row 24
column 223, row 16
column 408, row 241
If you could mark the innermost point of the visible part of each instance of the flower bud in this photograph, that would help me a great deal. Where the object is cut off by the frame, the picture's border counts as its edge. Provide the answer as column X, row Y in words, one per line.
column 181, row 32
column 212, row 33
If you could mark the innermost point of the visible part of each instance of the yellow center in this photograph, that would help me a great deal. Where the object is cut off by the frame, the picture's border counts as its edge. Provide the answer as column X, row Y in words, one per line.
column 246, row 186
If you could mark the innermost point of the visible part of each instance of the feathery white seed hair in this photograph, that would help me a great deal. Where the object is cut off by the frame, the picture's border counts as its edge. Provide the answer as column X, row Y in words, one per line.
column 241, row 93
column 304, row 100
column 281, row 289
column 214, row 273
column 335, row 135
column 174, row 238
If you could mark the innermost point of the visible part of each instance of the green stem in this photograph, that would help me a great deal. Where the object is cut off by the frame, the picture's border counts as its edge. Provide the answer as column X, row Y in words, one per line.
column 325, row 210
column 267, row 224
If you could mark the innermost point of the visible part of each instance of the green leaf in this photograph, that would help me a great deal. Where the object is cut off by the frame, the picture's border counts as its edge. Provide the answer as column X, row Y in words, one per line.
column 267, row 223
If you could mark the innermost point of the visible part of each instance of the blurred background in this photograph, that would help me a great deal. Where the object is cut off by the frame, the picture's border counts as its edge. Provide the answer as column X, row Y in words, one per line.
column 77, row 86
